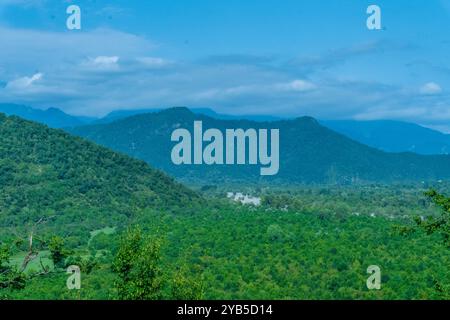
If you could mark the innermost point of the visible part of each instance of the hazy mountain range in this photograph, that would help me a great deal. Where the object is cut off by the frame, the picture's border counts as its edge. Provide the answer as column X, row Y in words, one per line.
column 386, row 135
column 52, row 117
column 121, row 114
column 393, row 136
column 309, row 152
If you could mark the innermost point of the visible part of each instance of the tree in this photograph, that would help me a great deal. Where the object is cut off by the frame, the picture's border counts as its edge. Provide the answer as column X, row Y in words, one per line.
column 185, row 288
column 57, row 251
column 439, row 224
column 10, row 277
column 137, row 267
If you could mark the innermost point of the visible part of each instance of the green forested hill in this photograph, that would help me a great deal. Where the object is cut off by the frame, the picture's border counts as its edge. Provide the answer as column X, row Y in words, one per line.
column 299, row 244
column 74, row 185
column 309, row 152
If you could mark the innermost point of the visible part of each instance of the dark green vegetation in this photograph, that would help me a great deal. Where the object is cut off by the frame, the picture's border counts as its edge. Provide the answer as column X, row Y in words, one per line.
column 80, row 204
column 441, row 223
column 228, row 251
column 50, row 177
column 309, row 152
column 386, row 135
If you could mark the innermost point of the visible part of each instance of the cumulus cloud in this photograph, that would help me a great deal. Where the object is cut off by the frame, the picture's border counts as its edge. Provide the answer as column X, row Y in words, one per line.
column 95, row 72
column 430, row 88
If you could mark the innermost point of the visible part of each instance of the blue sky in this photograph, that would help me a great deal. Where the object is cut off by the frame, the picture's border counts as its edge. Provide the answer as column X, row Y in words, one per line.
column 288, row 58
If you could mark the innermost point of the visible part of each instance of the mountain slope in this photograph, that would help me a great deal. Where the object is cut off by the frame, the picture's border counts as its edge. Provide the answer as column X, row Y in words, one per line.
column 122, row 114
column 309, row 152
column 46, row 173
column 393, row 136
column 385, row 135
column 52, row 117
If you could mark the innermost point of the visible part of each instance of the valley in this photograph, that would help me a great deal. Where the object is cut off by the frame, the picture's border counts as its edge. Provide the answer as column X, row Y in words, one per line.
column 88, row 206
column 213, row 159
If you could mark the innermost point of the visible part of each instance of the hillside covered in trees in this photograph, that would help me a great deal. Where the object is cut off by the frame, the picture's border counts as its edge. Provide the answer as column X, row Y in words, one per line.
column 309, row 152
column 74, row 185
column 135, row 233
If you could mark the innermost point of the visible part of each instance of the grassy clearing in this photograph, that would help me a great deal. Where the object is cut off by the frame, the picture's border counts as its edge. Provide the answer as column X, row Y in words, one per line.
column 34, row 265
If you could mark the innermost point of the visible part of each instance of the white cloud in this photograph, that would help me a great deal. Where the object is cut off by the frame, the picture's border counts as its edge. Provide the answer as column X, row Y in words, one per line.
column 103, row 63
column 257, row 89
column 24, row 83
column 430, row 88
column 298, row 86
column 42, row 50
column 103, row 60
column 85, row 74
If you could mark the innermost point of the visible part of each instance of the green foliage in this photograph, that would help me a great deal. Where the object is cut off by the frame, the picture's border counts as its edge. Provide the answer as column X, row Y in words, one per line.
column 104, row 241
column 275, row 233
column 46, row 173
column 307, row 243
column 4, row 255
column 440, row 224
column 137, row 267
column 245, row 253
column 86, row 264
column 57, row 251
column 230, row 246
column 185, row 286
column 10, row 277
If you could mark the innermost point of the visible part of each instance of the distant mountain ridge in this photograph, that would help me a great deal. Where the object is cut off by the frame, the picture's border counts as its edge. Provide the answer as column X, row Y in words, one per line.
column 309, row 152
column 393, row 136
column 52, row 117
column 385, row 135
column 122, row 114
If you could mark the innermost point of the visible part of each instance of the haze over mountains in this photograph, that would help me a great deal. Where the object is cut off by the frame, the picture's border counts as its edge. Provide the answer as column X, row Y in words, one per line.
column 122, row 114
column 52, row 117
column 386, row 135
column 309, row 152
column 393, row 136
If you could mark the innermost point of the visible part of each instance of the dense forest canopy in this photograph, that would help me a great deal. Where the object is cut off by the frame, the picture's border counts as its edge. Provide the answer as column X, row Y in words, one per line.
column 135, row 233
column 46, row 173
